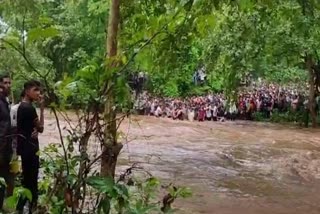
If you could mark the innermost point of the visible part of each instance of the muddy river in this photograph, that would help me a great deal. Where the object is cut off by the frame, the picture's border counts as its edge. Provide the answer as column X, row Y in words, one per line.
column 232, row 167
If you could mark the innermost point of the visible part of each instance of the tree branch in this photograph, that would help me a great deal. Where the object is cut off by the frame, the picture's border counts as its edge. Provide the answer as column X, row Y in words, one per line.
column 147, row 42
column 24, row 57
column 61, row 140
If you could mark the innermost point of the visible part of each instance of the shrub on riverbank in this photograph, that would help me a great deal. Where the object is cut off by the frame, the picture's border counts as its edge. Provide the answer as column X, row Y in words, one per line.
column 298, row 117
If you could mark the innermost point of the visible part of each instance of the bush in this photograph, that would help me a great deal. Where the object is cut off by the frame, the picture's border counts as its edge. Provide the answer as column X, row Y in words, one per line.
column 259, row 116
column 62, row 191
column 282, row 117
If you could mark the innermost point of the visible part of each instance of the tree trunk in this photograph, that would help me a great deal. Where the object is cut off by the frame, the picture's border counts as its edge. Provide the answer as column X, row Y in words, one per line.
column 312, row 90
column 111, row 149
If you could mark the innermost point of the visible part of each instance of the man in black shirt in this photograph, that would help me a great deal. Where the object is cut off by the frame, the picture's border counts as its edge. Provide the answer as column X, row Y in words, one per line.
column 29, row 125
column 5, row 141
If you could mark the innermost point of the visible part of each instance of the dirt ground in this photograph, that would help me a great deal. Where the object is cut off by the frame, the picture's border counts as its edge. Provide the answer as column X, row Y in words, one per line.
column 232, row 167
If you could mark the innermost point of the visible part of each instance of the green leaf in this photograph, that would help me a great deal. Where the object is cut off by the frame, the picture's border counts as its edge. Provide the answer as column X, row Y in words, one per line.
column 104, row 206
column 122, row 190
column 45, row 20
column 11, row 202
column 71, row 179
column 103, row 185
column 153, row 182
column 41, row 33
column 23, row 192
column 184, row 192
column 245, row 4
column 11, row 39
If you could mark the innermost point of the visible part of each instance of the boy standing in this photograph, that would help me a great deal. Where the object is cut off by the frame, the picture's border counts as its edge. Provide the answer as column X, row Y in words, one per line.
column 29, row 125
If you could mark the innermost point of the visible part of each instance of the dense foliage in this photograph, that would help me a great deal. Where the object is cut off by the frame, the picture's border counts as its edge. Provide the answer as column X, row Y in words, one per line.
column 169, row 39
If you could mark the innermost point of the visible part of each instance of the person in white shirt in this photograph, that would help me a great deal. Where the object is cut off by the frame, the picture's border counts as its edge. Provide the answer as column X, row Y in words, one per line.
column 259, row 102
column 215, row 113
column 153, row 107
column 233, row 111
column 294, row 104
column 158, row 112
column 191, row 114
column 208, row 112
column 168, row 111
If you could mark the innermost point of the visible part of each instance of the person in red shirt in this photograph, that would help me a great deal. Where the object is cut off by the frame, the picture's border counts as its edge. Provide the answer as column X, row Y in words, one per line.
column 201, row 114
column 251, row 109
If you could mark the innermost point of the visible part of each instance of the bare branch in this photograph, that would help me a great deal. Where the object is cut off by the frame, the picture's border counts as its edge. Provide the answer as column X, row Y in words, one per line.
column 61, row 140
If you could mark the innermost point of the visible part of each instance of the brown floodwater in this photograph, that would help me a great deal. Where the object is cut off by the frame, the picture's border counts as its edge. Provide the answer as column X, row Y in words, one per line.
column 232, row 168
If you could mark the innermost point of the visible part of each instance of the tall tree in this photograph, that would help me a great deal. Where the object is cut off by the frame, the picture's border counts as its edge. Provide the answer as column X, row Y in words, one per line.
column 293, row 41
column 111, row 148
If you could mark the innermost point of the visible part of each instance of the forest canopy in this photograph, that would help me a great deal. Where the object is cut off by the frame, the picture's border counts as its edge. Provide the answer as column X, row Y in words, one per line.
column 230, row 38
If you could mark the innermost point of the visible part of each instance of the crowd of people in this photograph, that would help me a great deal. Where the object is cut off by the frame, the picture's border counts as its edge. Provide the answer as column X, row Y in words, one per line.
column 19, row 129
column 264, row 99
column 20, row 123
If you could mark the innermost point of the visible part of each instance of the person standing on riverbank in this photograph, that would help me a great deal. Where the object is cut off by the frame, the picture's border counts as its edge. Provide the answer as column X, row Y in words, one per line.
column 29, row 125
column 5, row 141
